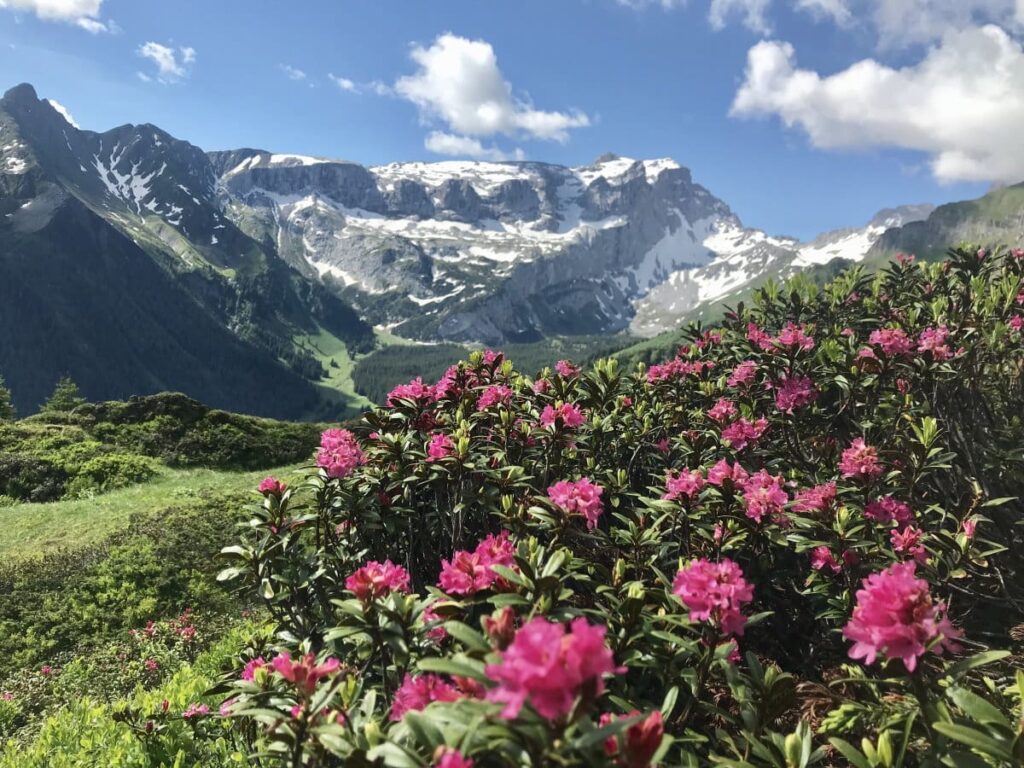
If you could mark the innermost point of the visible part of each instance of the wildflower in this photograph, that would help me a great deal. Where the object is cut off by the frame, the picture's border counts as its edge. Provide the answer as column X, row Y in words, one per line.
column 497, row 550
column 375, row 580
column 894, row 342
column 440, row 447
column 304, row 673
column 451, row 758
column 416, row 693
column 46, row 670
column 904, row 258
column 757, row 336
column 151, row 665
column 763, row 496
column 1017, row 323
column 497, row 394
column 968, row 526
column 908, row 542
column 465, row 574
column 501, row 627
column 686, row 483
column 579, row 497
column 934, row 340
column 339, row 452
column 570, row 415
column 727, row 476
column 722, row 411
column 793, row 337
column 714, row 592
column 662, row 445
column 820, row 499
column 271, row 486
column 887, row 510
column 635, row 747
column 896, row 617
column 794, row 392
column 742, row 433
column 225, row 706
column 446, row 386
column 429, row 616
column 195, row 710
column 743, row 374
column 540, row 386
column 493, row 358
column 549, row 667
column 415, row 390
column 566, row 369
column 860, row 461
column 822, row 558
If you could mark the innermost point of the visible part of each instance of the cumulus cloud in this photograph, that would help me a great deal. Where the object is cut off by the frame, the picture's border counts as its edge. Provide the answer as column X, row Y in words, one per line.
column 641, row 4
column 172, row 64
column 836, row 10
column 293, row 73
column 962, row 104
column 443, row 143
column 752, row 12
column 458, row 84
column 84, row 13
column 344, row 83
column 63, row 111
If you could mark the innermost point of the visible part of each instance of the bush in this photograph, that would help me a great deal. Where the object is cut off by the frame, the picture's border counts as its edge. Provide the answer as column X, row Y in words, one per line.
column 109, row 471
column 31, row 479
column 796, row 542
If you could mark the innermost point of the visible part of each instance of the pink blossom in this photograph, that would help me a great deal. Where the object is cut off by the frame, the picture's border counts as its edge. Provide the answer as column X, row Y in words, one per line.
column 860, row 461
column 452, row 758
column 908, row 542
column 465, row 574
column 820, row 499
column 714, row 592
column 743, row 374
column 888, row 509
column 757, row 336
column 686, row 484
column 339, row 452
column 726, row 475
column 249, row 672
column 934, row 340
column 415, row 390
column 375, row 580
column 446, row 385
column 416, row 693
column 1017, row 323
column 894, row 342
column 897, row 618
column 580, row 497
column 722, row 411
column 497, row 550
column 441, row 446
column 549, row 668
column 271, row 486
column 1017, row 253
column 969, row 525
column 763, row 496
column 794, row 392
column 151, row 664
column 822, row 558
column 225, row 706
column 848, row 332
column 540, row 386
column 430, row 616
column 566, row 369
column 678, row 368
column 571, row 416
column 635, row 748
column 742, row 433
column 493, row 395
column 492, row 358
column 662, row 445
column 195, row 710
column 304, row 673
column 793, row 337
column 904, row 258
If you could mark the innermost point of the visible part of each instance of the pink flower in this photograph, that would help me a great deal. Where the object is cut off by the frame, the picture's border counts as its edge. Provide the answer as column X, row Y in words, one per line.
column 686, row 483
column 662, row 445
column 416, row 693
column 722, row 411
column 195, row 710
column 820, row 498
column 429, row 616
column 822, row 558
column 225, row 706
column 498, row 393
column 375, row 580
column 742, row 433
column 636, row 747
column 757, row 336
column 908, row 542
column 151, row 665
column 339, row 452
column 540, row 386
column 272, row 487
column 441, row 446
column 452, row 758
column 497, row 550
column 904, row 258
column 763, row 496
column 794, row 392
column 492, row 358
column 896, row 617
column 726, row 475
column 415, row 390
column 969, row 525
column 894, row 342
column 793, row 337
column 934, row 340
column 566, row 369
column 1017, row 323
column 501, row 627
column 550, row 668
column 743, row 374
column 714, row 592
column 304, row 673
column 1017, row 253
column 860, row 461
column 570, row 415
column 249, row 672
column 888, row 509
column 580, row 497
column 465, row 574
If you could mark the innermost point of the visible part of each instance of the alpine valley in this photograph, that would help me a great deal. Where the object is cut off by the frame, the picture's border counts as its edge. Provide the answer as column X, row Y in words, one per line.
column 136, row 262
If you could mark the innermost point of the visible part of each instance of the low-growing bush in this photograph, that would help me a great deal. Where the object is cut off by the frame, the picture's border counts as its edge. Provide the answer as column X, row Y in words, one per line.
column 108, row 471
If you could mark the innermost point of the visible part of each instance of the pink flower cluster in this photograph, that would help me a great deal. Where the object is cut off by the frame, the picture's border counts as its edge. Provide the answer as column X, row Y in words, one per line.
column 793, row 337
column 570, row 415
column 822, row 559
column 195, row 710
column 304, row 673
column 934, row 340
column 894, row 342
column 794, row 392
column 549, row 667
column 452, row 758
column 743, row 374
column 440, row 447
column 415, row 390
column 743, row 432
column 677, row 369
column 764, row 496
column 714, row 592
column 896, row 617
column 907, row 542
column 339, row 452
column 581, row 497
column 820, row 498
column 637, row 746
column 496, row 394
column 887, row 510
column 415, row 693
column 375, row 580
column 686, row 483
column 759, row 337
column 722, row 411
column 727, row 476
column 470, row 572
column 566, row 369
column 860, row 461
column 271, row 486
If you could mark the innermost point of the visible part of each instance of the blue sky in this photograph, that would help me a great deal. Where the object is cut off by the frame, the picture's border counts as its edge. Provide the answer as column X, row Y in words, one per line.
column 803, row 115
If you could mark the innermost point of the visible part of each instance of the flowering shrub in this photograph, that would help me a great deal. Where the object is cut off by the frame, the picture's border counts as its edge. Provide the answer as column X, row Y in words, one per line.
column 797, row 542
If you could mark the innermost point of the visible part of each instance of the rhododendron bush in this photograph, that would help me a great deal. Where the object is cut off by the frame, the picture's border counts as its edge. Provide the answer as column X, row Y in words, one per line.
column 797, row 542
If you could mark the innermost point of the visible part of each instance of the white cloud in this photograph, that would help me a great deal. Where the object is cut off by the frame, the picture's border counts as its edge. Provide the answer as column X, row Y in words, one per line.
column 753, row 12
column 344, row 83
column 962, row 104
column 293, row 73
column 459, row 84
column 443, row 143
column 172, row 64
column 836, row 10
column 668, row 5
column 84, row 13
column 63, row 111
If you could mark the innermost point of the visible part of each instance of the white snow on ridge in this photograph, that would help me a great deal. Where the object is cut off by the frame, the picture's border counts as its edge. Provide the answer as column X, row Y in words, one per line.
column 297, row 160
column 853, row 246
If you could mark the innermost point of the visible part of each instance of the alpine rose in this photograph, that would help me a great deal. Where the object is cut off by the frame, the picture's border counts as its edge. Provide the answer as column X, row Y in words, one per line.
column 339, row 453
column 894, row 342
column 794, row 392
column 636, row 747
column 722, row 411
column 763, row 496
column 714, row 592
column 440, row 447
column 499, row 393
column 580, row 497
column 416, row 693
column 375, row 580
column 743, row 374
column 727, row 476
column 794, row 337
column 686, row 484
column 820, row 498
column 304, row 673
column 271, row 486
column 860, row 461
column 742, row 433
column 887, row 510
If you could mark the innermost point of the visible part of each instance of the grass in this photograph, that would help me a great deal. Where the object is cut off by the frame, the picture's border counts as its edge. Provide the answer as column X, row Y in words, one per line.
column 30, row 530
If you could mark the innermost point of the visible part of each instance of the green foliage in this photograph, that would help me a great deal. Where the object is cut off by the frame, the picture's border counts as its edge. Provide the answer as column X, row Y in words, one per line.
column 65, row 397
column 7, row 412
column 111, row 470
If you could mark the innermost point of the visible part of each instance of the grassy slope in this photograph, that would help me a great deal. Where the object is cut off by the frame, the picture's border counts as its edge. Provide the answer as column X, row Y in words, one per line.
column 30, row 530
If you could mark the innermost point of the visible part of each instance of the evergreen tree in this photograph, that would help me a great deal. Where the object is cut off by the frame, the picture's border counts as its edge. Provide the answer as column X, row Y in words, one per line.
column 7, row 412
column 65, row 397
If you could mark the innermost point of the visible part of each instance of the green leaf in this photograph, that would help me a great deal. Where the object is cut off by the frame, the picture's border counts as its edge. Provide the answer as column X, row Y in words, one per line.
column 466, row 635
column 850, row 752
column 975, row 740
column 460, row 666
column 973, row 662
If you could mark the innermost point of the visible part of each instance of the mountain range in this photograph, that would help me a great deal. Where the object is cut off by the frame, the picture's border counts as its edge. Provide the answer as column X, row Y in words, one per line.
column 136, row 262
